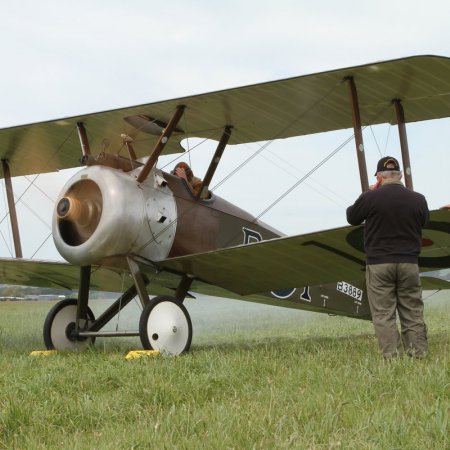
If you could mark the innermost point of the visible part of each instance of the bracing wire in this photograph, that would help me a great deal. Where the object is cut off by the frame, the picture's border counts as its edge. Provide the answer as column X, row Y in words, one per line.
column 19, row 199
column 35, row 214
column 289, row 172
column 6, row 244
column 33, row 183
column 376, row 141
column 40, row 246
column 389, row 130
column 380, row 152
column 306, row 176
column 350, row 138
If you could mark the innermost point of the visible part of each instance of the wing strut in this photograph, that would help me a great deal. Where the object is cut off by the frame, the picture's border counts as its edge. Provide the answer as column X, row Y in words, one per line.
column 358, row 133
column 215, row 161
column 403, row 143
column 85, row 148
column 161, row 143
column 12, row 209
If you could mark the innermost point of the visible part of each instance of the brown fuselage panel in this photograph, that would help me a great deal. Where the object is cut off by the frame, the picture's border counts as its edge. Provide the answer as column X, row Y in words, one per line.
column 206, row 225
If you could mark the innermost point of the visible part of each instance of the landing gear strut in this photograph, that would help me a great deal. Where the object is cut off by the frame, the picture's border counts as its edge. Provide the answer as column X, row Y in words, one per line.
column 164, row 324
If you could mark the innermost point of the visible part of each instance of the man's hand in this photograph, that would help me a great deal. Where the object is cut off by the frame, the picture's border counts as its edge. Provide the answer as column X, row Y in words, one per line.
column 181, row 173
column 379, row 182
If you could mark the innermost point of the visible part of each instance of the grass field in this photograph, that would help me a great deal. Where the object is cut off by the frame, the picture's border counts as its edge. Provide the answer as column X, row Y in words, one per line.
column 256, row 377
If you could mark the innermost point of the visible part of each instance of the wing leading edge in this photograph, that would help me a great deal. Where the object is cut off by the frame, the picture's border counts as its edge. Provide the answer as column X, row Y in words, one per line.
column 54, row 274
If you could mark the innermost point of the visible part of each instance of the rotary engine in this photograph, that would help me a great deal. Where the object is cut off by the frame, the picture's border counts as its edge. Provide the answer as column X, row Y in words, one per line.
column 103, row 212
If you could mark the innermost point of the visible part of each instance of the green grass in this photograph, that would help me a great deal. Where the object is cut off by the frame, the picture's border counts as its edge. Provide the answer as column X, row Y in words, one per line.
column 256, row 377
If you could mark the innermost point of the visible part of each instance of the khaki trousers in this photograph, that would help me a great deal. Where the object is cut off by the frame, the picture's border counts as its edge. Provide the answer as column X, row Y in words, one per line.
column 395, row 288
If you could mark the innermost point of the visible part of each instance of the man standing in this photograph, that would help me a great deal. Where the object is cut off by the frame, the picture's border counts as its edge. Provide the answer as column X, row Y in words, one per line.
column 394, row 217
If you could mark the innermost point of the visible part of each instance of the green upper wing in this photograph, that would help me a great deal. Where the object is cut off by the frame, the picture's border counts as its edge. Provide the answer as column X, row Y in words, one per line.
column 279, row 109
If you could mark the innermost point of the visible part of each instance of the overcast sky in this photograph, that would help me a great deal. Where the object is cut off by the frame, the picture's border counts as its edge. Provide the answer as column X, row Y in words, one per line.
column 62, row 58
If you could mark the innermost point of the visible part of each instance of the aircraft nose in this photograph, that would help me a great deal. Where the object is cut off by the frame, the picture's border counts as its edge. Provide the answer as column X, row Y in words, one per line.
column 78, row 212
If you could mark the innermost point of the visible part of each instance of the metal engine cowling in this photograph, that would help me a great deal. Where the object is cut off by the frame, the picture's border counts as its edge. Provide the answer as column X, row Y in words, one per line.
column 102, row 212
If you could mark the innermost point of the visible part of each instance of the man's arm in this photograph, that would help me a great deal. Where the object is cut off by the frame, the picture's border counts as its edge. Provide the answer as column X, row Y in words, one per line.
column 356, row 213
column 426, row 213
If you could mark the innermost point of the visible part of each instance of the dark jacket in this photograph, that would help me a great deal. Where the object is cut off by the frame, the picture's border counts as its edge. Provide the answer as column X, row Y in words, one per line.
column 394, row 217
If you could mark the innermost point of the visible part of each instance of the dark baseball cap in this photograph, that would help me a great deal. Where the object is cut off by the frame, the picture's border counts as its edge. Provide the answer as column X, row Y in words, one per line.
column 387, row 163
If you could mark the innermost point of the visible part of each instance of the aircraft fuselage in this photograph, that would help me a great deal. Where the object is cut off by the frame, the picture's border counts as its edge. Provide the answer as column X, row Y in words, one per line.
column 104, row 212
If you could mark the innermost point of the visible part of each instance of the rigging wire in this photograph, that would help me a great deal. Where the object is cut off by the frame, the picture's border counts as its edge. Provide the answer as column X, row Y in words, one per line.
column 6, row 244
column 42, row 244
column 381, row 153
column 289, row 172
column 35, row 214
column 325, row 187
column 19, row 198
column 389, row 128
column 375, row 139
column 387, row 140
column 307, row 175
column 350, row 138
column 33, row 183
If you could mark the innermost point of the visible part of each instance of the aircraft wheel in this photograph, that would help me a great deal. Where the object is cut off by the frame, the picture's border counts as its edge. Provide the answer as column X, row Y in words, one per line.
column 60, row 325
column 165, row 325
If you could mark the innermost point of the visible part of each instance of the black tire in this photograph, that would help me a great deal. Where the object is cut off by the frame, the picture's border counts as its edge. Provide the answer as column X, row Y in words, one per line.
column 165, row 325
column 60, row 319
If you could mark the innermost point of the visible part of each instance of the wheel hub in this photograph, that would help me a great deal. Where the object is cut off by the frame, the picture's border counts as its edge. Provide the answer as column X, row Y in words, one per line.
column 72, row 334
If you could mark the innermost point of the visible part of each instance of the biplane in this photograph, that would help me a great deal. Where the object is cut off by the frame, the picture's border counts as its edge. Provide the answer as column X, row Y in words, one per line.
column 124, row 225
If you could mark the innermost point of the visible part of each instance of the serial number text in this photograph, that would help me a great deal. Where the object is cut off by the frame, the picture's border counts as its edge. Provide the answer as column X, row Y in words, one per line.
column 350, row 290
